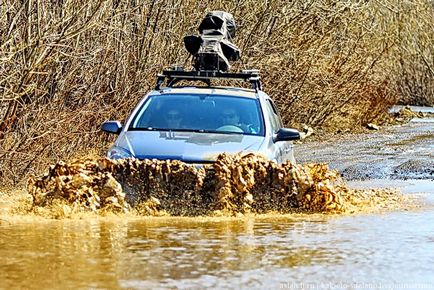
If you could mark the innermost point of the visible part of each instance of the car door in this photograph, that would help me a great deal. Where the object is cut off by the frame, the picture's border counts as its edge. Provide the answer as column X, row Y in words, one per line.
column 276, row 148
column 283, row 150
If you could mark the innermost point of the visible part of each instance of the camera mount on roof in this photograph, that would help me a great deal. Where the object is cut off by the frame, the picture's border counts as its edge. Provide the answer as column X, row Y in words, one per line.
column 212, row 49
column 177, row 74
column 211, row 52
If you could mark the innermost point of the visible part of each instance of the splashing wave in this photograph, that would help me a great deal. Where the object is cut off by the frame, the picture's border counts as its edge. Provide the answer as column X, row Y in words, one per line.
column 232, row 185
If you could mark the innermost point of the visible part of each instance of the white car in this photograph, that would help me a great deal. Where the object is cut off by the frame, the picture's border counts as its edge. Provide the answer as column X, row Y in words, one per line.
column 196, row 123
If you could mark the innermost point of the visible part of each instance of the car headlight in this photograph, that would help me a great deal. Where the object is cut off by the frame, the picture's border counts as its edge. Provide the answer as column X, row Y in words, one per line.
column 119, row 153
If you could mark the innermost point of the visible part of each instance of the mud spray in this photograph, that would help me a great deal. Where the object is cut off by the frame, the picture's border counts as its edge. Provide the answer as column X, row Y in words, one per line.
column 231, row 186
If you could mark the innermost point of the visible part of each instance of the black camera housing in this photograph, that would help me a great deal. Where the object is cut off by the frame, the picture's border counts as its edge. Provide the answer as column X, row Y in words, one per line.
column 212, row 49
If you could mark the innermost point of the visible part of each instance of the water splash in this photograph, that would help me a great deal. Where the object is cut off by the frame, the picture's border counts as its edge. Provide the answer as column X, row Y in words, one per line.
column 232, row 185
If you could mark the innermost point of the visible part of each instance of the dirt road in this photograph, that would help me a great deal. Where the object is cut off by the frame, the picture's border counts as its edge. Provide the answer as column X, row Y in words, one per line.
column 396, row 152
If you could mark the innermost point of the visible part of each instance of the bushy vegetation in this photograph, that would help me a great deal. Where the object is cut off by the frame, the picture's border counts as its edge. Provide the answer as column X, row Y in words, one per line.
column 66, row 66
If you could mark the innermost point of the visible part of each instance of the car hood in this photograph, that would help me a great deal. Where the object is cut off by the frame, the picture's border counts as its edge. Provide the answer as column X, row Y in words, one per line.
column 186, row 146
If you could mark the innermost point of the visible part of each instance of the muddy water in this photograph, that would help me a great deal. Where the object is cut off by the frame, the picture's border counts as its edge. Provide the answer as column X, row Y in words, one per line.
column 388, row 250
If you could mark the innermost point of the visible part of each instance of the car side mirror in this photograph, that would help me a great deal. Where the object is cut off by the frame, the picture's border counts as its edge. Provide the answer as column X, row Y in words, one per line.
column 286, row 134
column 114, row 127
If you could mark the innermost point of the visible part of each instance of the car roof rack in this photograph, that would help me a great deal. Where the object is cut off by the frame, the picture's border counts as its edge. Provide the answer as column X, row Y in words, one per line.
column 179, row 74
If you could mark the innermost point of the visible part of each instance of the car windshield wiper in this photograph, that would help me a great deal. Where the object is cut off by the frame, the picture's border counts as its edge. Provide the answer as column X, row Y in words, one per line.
column 148, row 129
column 188, row 130
column 199, row 130
column 169, row 129
column 204, row 131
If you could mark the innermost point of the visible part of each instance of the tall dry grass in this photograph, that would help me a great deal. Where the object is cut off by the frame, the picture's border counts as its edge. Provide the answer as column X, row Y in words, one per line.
column 66, row 66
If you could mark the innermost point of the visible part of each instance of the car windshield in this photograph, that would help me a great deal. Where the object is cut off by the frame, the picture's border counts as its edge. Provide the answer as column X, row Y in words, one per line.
column 200, row 113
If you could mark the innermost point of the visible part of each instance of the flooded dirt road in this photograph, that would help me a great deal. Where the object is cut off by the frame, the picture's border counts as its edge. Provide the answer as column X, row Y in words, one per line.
column 396, row 152
column 387, row 250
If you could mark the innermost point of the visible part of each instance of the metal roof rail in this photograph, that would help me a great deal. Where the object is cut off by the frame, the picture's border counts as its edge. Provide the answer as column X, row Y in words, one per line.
column 178, row 74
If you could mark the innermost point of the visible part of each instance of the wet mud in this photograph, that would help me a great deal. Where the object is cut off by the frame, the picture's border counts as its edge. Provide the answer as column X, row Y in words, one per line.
column 232, row 186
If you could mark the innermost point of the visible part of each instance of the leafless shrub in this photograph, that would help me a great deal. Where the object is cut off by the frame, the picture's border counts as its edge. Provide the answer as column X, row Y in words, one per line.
column 413, row 58
column 66, row 66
